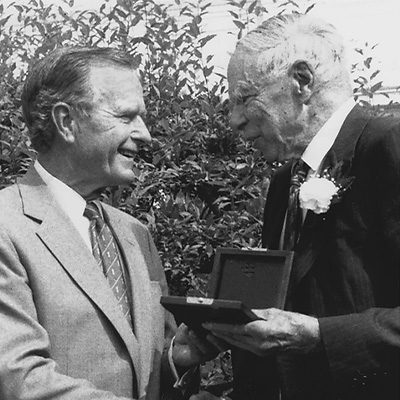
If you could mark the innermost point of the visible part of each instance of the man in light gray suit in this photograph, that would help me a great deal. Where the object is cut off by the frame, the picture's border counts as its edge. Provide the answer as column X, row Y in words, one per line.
column 68, row 329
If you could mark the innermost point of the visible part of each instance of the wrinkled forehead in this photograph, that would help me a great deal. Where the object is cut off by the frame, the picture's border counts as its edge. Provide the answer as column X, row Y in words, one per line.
column 114, row 79
column 243, row 73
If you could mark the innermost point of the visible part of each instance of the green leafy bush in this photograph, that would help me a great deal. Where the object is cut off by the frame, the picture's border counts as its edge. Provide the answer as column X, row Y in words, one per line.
column 197, row 186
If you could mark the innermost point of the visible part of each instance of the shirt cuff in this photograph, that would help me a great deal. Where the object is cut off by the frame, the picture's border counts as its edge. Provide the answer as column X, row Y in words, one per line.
column 181, row 382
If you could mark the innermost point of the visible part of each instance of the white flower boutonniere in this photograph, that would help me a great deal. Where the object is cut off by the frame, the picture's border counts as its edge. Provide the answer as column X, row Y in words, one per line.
column 316, row 194
column 320, row 191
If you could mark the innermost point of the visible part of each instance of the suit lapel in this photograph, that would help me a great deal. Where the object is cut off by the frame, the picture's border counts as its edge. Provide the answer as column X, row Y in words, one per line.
column 65, row 243
column 315, row 230
column 141, row 291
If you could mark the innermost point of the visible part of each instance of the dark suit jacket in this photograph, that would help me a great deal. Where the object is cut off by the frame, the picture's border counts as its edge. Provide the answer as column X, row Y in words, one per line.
column 62, row 334
column 345, row 272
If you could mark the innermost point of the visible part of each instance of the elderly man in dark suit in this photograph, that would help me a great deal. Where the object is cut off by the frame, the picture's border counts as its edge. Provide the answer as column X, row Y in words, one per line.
column 335, row 202
column 80, row 282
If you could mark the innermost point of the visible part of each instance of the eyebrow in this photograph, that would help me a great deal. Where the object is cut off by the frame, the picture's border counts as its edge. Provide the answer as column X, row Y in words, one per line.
column 244, row 90
column 130, row 111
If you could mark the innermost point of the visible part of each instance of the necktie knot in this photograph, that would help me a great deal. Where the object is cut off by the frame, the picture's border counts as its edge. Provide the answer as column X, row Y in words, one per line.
column 93, row 212
column 299, row 173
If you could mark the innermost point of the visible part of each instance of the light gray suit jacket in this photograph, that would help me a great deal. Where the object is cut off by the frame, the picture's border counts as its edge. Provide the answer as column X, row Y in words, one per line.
column 62, row 334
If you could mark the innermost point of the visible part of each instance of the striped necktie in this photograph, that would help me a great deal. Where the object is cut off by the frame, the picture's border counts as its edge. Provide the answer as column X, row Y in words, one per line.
column 105, row 251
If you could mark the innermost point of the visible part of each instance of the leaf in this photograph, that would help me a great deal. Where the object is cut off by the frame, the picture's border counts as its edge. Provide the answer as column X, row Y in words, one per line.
column 310, row 8
column 46, row 12
column 374, row 74
column 376, row 87
column 239, row 24
column 204, row 7
column 206, row 39
column 209, row 58
column 4, row 20
column 367, row 62
column 252, row 6
column 361, row 80
column 19, row 8
column 207, row 71
column 62, row 12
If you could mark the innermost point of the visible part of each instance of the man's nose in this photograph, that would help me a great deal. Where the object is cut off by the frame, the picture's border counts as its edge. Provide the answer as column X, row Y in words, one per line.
column 140, row 131
column 238, row 118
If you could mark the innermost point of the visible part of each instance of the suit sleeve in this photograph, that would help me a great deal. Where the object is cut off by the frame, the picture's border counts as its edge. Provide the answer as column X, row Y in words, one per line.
column 367, row 343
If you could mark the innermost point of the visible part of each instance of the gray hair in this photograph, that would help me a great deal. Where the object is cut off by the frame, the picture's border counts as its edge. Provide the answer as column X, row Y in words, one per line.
column 63, row 76
column 282, row 40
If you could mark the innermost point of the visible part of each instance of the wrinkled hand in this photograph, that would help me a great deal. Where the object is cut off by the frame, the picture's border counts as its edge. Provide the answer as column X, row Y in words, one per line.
column 276, row 332
column 192, row 349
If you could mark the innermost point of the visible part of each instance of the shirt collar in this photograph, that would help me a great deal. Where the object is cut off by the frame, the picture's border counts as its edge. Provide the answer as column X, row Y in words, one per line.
column 70, row 201
column 323, row 140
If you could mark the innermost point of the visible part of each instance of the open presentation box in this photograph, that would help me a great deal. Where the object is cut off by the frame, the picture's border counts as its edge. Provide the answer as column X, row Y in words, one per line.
column 240, row 280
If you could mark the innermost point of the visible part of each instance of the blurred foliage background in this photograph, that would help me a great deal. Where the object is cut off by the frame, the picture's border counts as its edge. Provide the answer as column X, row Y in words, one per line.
column 198, row 186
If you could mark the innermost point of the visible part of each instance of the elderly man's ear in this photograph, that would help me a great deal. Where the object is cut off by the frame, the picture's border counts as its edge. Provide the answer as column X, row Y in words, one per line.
column 303, row 80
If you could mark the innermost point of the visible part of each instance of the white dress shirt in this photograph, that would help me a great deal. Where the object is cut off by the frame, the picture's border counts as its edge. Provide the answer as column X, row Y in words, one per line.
column 321, row 143
column 319, row 146
column 69, row 201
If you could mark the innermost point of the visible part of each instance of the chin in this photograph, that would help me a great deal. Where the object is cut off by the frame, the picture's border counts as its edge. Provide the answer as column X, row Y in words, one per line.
column 271, row 154
column 123, row 179
column 127, row 181
column 271, row 151
column 268, row 157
